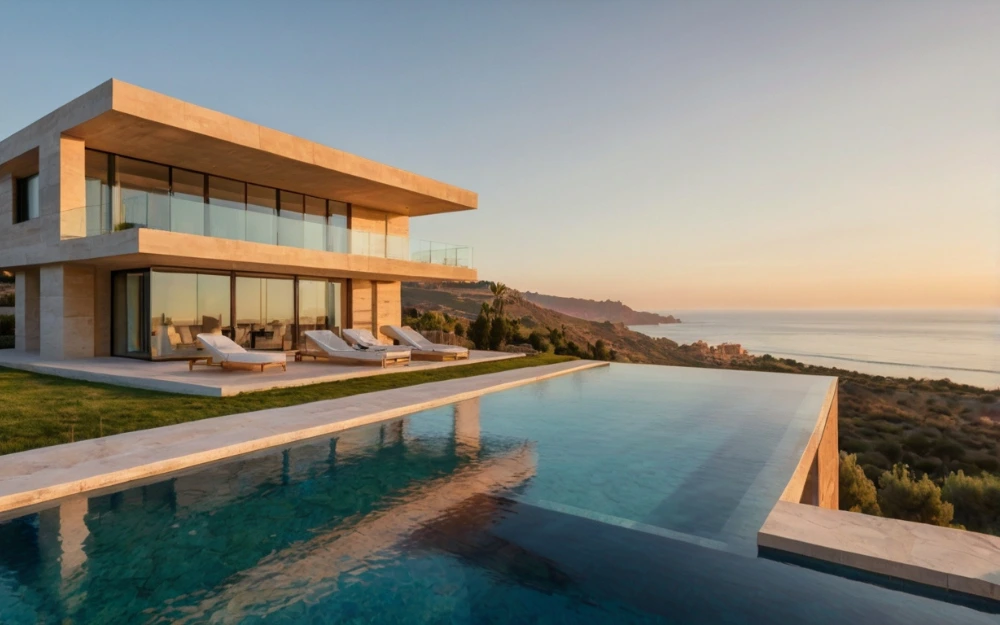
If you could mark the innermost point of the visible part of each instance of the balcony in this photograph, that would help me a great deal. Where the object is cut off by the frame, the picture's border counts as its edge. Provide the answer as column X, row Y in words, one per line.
column 281, row 228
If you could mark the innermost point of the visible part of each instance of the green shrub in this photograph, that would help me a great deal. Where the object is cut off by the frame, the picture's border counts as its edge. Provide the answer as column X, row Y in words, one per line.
column 900, row 496
column 538, row 341
column 6, row 325
column 459, row 329
column 875, row 458
column 891, row 450
column 928, row 464
column 557, row 338
column 6, row 299
column 948, row 449
column 570, row 349
column 600, row 351
column 976, row 501
column 857, row 492
column 513, row 335
column 431, row 320
column 499, row 333
column 917, row 443
column 985, row 461
column 853, row 444
column 480, row 330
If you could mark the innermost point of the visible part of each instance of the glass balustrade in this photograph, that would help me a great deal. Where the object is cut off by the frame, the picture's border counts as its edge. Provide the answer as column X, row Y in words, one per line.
column 175, row 213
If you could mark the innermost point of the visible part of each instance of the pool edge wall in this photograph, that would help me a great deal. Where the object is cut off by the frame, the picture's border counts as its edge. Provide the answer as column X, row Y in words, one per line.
column 806, row 522
column 816, row 479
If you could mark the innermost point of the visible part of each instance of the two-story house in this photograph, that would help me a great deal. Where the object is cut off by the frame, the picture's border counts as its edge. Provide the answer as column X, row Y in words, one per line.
column 134, row 221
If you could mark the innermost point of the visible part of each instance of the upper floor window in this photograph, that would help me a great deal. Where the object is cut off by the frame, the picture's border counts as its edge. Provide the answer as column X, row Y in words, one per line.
column 27, row 199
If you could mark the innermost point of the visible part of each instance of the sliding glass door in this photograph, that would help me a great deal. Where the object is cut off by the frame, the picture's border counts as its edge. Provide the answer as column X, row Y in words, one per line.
column 265, row 312
column 130, row 314
column 183, row 306
column 321, row 307
column 158, row 313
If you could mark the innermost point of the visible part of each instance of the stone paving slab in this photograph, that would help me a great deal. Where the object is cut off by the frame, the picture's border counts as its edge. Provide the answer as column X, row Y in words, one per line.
column 965, row 562
column 33, row 477
column 173, row 376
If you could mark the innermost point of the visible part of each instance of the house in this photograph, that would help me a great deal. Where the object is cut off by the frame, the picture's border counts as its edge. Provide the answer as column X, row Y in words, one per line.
column 134, row 221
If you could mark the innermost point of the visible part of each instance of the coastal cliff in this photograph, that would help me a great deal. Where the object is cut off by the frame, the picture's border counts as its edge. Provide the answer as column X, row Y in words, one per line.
column 592, row 310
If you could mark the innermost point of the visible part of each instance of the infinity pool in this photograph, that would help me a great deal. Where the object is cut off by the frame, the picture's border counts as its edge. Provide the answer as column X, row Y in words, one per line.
column 628, row 494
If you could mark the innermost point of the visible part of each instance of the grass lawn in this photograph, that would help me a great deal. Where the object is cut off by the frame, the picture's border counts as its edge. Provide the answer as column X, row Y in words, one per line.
column 41, row 410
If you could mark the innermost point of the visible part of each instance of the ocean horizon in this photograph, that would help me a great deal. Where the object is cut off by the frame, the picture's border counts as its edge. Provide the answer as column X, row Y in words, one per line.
column 962, row 345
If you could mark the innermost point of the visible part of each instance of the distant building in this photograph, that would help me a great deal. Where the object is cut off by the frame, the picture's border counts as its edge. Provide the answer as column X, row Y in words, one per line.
column 729, row 349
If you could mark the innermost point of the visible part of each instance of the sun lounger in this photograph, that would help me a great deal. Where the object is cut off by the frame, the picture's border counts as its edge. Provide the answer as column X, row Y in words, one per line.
column 364, row 339
column 328, row 346
column 227, row 354
column 421, row 348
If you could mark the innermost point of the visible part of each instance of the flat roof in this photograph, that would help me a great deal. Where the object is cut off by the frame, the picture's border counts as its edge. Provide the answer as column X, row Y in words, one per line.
column 125, row 119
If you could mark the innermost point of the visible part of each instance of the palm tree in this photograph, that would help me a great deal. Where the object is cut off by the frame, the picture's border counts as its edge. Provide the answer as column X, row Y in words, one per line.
column 500, row 296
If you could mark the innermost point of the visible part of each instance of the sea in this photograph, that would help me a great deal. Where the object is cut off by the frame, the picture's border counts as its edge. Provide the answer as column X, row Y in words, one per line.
column 961, row 345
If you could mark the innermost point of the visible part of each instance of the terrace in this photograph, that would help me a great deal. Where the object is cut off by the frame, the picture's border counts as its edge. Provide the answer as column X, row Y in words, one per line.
column 173, row 376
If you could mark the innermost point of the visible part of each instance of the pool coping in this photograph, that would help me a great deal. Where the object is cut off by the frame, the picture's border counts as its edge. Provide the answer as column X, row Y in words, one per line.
column 965, row 563
column 37, row 476
column 941, row 557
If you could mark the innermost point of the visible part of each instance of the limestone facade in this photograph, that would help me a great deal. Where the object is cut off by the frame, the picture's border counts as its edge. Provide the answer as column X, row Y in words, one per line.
column 63, row 269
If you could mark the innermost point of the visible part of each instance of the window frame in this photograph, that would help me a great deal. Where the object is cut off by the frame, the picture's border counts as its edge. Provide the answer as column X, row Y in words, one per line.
column 22, row 199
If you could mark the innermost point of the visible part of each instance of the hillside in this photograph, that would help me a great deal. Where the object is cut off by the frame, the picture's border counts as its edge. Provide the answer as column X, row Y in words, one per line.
column 465, row 300
column 592, row 310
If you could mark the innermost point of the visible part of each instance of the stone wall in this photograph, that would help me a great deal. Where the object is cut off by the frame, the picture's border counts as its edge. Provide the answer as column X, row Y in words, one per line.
column 66, row 305
column 828, row 461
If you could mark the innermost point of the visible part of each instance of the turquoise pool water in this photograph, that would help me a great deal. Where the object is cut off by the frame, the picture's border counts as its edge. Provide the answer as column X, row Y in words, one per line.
column 627, row 494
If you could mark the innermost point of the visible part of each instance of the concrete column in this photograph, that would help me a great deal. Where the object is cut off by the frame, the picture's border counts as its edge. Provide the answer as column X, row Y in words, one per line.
column 26, row 310
column 467, row 429
column 62, row 190
column 67, row 311
column 388, row 308
column 362, row 307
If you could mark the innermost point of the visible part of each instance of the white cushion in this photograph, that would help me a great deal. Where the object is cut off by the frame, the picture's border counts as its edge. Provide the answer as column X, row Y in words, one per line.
column 417, row 341
column 255, row 358
column 328, row 341
column 224, row 349
column 417, row 338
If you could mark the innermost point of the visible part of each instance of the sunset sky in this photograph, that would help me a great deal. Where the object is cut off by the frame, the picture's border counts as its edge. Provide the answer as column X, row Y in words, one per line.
column 671, row 155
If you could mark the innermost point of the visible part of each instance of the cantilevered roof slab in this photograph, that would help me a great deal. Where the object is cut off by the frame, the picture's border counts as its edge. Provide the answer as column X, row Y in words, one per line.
column 132, row 121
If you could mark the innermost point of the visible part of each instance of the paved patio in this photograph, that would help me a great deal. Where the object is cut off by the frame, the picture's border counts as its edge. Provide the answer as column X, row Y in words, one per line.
column 174, row 377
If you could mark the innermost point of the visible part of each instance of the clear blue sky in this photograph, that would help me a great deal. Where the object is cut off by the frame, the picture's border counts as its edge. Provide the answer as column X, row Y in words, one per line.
column 670, row 154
